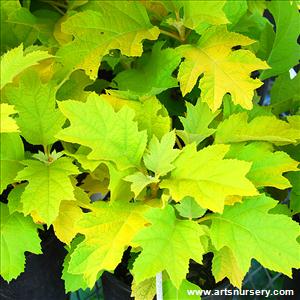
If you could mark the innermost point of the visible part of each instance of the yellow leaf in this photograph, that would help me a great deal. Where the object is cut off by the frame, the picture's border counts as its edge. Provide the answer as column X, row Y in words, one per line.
column 144, row 290
column 225, row 71
column 230, row 200
column 8, row 124
column 16, row 61
column 208, row 177
column 65, row 226
column 224, row 264
column 108, row 231
column 263, row 128
column 97, row 181
column 110, row 25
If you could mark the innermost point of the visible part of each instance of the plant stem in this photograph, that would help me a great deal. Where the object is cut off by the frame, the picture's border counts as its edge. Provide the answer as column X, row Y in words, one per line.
column 46, row 150
column 171, row 34
column 206, row 218
column 154, row 189
column 58, row 86
column 59, row 4
column 178, row 143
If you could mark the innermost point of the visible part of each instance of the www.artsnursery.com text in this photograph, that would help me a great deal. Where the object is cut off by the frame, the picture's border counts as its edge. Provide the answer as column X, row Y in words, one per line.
column 245, row 292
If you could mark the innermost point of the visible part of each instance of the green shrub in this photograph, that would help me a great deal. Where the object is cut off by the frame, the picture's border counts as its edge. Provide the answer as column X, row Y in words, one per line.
column 159, row 109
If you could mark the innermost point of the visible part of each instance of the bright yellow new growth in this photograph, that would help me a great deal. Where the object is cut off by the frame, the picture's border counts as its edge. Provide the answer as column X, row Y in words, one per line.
column 225, row 71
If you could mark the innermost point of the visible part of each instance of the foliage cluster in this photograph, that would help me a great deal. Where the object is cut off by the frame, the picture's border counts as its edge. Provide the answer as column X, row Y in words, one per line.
column 160, row 110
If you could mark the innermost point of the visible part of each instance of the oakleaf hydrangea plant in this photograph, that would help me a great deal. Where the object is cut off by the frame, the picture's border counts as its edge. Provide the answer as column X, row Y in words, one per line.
column 180, row 117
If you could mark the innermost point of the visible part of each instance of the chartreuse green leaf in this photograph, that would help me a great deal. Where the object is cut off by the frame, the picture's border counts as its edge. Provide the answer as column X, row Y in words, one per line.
column 268, row 166
column 108, row 231
column 35, row 102
column 16, row 61
column 15, row 19
column 294, row 121
column 197, row 15
column 139, row 181
column 112, row 136
column 167, row 244
column 189, row 208
column 18, row 235
column 8, row 124
column 196, row 123
column 96, row 181
column 224, row 264
column 64, row 225
column 263, row 128
column 73, row 282
column 118, row 187
column 80, row 154
column 145, row 290
column 160, row 154
column 11, row 154
column 70, row 212
column 150, row 114
column 285, row 94
column 154, row 79
column 234, row 11
column 111, row 25
column 171, row 293
column 14, row 198
column 207, row 177
column 49, row 184
column 74, row 87
column 225, row 71
column 249, row 231
column 229, row 109
column 285, row 52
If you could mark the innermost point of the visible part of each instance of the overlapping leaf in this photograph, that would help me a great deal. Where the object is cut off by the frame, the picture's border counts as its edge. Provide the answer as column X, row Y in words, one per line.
column 110, row 25
column 145, row 290
column 284, row 53
column 181, row 293
column 224, row 264
column 208, row 177
column 108, row 231
column 160, row 154
column 112, row 136
column 39, row 119
column 18, row 235
column 148, row 71
column 249, row 231
column 49, row 184
column 285, row 94
column 15, row 61
column 225, row 71
column 139, row 181
column 196, row 123
column 198, row 15
column 11, row 154
column 168, row 244
column 268, row 166
column 150, row 114
column 265, row 128
column 8, row 124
